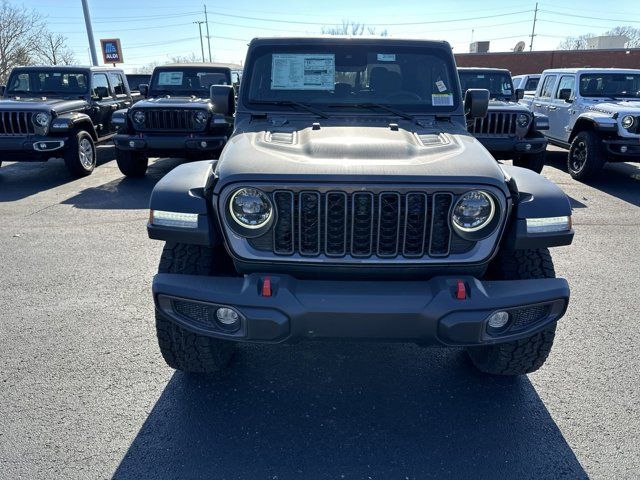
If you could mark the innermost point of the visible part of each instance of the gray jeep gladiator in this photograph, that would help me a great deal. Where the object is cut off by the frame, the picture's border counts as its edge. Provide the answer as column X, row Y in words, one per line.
column 510, row 130
column 60, row 111
column 179, row 117
column 351, row 203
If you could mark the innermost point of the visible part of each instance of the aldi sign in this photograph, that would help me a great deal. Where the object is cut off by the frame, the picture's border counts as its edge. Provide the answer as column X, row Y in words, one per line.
column 111, row 50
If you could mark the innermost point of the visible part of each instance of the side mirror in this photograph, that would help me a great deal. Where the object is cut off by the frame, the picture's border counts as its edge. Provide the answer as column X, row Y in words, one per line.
column 144, row 89
column 519, row 93
column 565, row 94
column 101, row 92
column 476, row 103
column 223, row 99
column 2, row 88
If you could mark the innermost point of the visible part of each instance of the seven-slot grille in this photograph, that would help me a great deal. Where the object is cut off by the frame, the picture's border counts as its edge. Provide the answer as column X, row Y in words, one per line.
column 16, row 123
column 495, row 123
column 363, row 224
column 170, row 119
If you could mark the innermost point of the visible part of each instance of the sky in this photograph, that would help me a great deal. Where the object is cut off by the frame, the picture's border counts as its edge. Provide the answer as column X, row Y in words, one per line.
column 155, row 31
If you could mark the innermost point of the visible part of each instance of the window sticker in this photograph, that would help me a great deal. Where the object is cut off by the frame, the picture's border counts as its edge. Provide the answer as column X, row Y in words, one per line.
column 386, row 57
column 304, row 71
column 442, row 99
column 170, row 78
column 441, row 86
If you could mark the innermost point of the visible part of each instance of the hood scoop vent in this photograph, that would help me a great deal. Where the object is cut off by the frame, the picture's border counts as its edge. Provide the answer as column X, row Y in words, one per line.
column 432, row 139
column 282, row 138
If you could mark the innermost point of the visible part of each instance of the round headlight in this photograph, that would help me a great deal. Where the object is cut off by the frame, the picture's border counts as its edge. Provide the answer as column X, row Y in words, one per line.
column 201, row 117
column 138, row 117
column 628, row 121
column 42, row 119
column 473, row 211
column 522, row 120
column 250, row 208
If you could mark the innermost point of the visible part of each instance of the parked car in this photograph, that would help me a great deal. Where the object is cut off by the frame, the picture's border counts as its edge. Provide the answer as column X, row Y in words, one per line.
column 528, row 83
column 510, row 130
column 351, row 203
column 60, row 111
column 593, row 112
column 178, row 118
column 137, row 79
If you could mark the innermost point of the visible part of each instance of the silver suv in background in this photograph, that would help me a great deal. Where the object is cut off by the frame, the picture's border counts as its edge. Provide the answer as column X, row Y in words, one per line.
column 593, row 112
column 528, row 83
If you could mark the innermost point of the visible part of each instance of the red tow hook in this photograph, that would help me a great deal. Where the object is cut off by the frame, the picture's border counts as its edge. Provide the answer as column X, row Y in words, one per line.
column 266, row 287
column 461, row 291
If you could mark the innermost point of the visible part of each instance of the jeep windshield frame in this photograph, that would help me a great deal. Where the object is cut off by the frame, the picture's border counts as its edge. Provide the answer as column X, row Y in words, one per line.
column 340, row 77
column 498, row 83
column 187, row 81
column 610, row 85
column 49, row 82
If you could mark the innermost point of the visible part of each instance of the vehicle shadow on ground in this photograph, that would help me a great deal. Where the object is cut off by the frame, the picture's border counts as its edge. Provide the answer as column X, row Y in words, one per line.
column 124, row 193
column 621, row 180
column 22, row 179
column 355, row 411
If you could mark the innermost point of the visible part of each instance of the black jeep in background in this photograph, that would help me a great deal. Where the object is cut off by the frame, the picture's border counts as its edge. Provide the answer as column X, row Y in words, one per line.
column 510, row 130
column 60, row 111
column 179, row 117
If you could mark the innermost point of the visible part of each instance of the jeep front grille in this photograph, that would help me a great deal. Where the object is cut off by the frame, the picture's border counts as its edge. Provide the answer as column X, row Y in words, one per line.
column 494, row 124
column 363, row 224
column 16, row 123
column 163, row 120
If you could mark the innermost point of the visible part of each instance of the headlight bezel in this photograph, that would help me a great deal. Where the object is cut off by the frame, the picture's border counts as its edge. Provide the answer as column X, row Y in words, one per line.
column 47, row 122
column 244, row 229
column 135, row 115
column 527, row 120
column 484, row 229
column 200, row 117
column 631, row 125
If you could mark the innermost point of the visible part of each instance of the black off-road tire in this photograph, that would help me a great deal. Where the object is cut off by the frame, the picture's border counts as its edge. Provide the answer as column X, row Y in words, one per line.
column 531, row 161
column 132, row 164
column 181, row 348
column 528, row 354
column 80, row 143
column 594, row 159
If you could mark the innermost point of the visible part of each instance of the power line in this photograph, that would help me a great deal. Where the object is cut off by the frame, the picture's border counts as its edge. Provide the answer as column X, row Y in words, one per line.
column 625, row 20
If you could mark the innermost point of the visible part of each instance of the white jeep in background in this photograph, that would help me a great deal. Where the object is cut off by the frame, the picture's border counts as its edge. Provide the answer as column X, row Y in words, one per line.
column 528, row 83
column 594, row 112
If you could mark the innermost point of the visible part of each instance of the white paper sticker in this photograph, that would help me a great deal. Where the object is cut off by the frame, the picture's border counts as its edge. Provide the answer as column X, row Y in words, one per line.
column 441, row 86
column 304, row 71
column 386, row 57
column 506, row 91
column 442, row 99
column 170, row 78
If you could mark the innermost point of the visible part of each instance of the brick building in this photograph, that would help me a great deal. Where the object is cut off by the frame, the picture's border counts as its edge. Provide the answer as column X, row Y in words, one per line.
column 535, row 62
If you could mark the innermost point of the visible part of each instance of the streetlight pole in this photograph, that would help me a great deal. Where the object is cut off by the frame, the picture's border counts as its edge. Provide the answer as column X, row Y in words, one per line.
column 206, row 19
column 200, row 22
column 87, row 21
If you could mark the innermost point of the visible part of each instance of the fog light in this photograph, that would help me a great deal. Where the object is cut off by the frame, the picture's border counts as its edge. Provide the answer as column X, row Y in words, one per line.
column 498, row 320
column 203, row 144
column 228, row 318
column 132, row 144
column 527, row 147
column 43, row 146
column 623, row 149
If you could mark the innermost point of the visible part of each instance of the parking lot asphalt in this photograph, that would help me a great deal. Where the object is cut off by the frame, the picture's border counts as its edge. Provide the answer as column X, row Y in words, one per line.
column 84, row 392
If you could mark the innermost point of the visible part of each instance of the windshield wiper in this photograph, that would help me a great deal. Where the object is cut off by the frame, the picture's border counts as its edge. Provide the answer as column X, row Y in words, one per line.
column 291, row 103
column 371, row 105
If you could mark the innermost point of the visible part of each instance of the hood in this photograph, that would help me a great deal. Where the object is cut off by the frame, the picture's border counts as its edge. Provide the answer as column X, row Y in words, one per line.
column 56, row 105
column 623, row 106
column 371, row 153
column 507, row 105
column 174, row 102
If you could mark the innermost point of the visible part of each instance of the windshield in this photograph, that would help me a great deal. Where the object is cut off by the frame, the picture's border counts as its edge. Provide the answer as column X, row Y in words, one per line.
column 610, row 85
column 188, row 81
column 498, row 83
column 352, row 76
column 49, row 82
column 532, row 85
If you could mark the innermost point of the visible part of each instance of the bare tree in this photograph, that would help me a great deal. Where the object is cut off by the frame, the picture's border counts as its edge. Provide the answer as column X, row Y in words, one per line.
column 147, row 68
column 580, row 43
column 52, row 49
column 349, row 27
column 20, row 31
column 192, row 58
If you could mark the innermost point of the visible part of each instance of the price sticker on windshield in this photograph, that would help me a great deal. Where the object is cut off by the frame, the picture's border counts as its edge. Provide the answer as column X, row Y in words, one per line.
column 442, row 99
column 305, row 71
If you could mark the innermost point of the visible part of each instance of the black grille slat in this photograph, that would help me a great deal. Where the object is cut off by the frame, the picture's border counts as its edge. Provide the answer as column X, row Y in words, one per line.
column 16, row 123
column 362, row 224
column 283, row 231
column 170, row 120
column 495, row 123
column 440, row 230
column 335, row 223
column 415, row 224
column 389, row 208
column 309, row 223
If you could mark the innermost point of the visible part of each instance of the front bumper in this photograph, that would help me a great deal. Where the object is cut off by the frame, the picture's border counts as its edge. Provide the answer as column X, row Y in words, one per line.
column 168, row 144
column 426, row 312
column 34, row 148
column 628, row 147
column 513, row 144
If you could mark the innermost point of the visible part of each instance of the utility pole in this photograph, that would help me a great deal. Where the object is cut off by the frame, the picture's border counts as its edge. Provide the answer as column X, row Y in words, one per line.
column 206, row 19
column 87, row 21
column 200, row 22
column 533, row 30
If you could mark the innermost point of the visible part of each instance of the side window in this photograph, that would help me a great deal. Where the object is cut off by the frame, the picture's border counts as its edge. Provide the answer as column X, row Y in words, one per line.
column 100, row 82
column 531, row 85
column 20, row 82
column 566, row 82
column 547, row 86
column 117, row 83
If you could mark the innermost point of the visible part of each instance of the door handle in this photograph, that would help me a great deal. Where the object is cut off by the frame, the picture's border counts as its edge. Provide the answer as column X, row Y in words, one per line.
column 551, row 107
column 537, row 104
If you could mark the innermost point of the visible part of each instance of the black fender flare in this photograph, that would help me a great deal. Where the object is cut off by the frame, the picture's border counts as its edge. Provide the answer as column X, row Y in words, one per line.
column 67, row 122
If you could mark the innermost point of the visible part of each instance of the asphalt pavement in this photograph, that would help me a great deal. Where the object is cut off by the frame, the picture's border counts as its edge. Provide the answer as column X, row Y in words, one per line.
column 85, row 394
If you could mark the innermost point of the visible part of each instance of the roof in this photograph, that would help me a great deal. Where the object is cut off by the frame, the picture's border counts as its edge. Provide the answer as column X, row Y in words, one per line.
column 592, row 70
column 230, row 66
column 483, row 69
column 339, row 39
column 67, row 67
